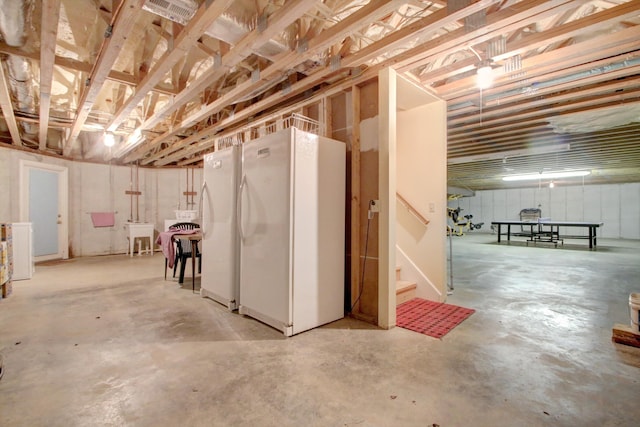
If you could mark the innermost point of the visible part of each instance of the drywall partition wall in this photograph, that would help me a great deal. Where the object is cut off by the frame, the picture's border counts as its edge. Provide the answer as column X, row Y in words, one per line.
column 415, row 168
column 421, row 181
column 616, row 205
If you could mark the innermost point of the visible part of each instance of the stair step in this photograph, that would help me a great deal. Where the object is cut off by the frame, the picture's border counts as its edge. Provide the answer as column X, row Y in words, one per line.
column 398, row 273
column 405, row 291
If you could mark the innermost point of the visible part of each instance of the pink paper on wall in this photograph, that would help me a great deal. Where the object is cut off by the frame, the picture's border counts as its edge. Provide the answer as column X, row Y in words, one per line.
column 103, row 219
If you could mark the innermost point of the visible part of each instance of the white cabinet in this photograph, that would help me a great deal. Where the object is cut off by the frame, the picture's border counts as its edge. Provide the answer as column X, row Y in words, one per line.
column 23, row 264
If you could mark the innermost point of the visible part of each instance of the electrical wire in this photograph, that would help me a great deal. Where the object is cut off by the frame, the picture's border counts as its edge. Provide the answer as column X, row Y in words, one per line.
column 364, row 261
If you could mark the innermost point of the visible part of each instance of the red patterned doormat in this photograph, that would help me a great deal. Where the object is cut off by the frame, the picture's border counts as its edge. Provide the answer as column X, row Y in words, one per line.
column 429, row 317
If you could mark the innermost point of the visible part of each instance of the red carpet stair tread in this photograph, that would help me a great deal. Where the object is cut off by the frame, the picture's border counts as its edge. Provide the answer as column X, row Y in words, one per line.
column 431, row 318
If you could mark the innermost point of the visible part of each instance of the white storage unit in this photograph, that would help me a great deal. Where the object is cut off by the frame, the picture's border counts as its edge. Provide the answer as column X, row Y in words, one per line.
column 23, row 263
column 220, row 238
column 292, row 208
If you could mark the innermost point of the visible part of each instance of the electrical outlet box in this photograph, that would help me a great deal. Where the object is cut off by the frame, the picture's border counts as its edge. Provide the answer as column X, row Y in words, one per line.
column 374, row 205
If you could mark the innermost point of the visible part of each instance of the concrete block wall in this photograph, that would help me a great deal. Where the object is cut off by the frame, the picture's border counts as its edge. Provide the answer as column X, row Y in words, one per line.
column 616, row 205
column 101, row 188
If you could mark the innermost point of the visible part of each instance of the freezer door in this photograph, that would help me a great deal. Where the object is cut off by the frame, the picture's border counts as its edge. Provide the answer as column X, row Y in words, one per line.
column 265, row 282
column 220, row 244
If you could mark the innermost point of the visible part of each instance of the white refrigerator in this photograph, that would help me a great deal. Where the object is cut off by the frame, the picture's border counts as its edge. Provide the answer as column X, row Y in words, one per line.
column 220, row 241
column 291, row 224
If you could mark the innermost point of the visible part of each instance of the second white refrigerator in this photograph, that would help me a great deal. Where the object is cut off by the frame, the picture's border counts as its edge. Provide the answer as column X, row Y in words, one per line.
column 291, row 222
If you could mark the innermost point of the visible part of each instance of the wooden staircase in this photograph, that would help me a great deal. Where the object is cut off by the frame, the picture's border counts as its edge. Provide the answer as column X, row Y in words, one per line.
column 405, row 290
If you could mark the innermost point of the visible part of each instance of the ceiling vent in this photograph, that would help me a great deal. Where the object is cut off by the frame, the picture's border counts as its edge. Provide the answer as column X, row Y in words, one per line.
column 180, row 11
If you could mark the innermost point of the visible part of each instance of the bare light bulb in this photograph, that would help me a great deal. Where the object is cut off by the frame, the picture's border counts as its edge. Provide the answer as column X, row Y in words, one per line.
column 484, row 77
column 109, row 140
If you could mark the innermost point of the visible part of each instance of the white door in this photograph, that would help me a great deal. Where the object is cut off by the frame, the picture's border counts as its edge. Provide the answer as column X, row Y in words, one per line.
column 265, row 286
column 220, row 245
column 44, row 203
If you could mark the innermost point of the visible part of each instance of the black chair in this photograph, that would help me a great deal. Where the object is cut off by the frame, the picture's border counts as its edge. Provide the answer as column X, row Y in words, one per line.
column 183, row 250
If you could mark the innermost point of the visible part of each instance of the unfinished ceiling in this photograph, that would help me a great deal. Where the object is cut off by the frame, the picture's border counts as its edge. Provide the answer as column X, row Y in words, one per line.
column 169, row 78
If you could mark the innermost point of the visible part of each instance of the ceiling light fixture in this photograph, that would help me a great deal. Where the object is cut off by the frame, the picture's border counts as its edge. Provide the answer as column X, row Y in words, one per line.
column 551, row 184
column 109, row 140
column 484, row 75
column 545, row 175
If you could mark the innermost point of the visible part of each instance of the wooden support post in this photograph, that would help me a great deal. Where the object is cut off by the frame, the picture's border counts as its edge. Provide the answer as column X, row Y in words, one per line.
column 328, row 119
column 355, row 199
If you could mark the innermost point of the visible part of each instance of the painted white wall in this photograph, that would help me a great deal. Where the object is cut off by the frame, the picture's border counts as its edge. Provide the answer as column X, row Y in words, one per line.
column 101, row 188
column 421, row 180
column 616, row 205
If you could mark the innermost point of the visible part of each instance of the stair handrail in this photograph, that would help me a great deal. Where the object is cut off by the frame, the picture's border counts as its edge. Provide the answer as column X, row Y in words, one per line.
column 411, row 209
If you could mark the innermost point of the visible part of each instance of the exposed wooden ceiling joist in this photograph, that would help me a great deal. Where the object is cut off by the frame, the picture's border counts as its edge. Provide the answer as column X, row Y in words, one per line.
column 185, row 41
column 554, row 63
column 7, row 109
column 123, row 21
column 49, row 31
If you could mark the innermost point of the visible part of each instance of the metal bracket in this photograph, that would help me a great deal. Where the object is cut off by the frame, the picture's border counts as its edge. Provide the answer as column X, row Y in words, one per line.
column 262, row 22
column 334, row 62
column 303, row 45
column 286, row 87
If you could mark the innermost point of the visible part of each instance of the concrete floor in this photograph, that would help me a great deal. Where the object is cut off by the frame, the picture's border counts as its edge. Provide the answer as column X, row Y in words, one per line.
column 106, row 341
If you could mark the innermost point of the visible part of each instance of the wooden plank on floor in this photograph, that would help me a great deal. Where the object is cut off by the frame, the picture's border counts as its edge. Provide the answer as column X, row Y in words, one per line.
column 622, row 334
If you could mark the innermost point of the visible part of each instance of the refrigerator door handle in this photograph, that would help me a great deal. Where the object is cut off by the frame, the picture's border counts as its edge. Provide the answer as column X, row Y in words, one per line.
column 201, row 210
column 243, row 181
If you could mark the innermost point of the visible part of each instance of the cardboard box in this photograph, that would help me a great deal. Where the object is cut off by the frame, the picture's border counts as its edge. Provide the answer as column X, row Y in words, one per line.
column 7, row 289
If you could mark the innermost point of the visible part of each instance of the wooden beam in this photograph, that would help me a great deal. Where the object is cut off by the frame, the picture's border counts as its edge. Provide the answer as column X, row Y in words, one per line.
column 569, row 56
column 422, row 27
column 48, row 38
column 124, row 19
column 591, row 63
column 596, row 22
column 276, row 23
column 206, row 14
column 522, row 100
column 85, row 67
column 255, row 39
column 542, row 116
column 7, row 109
column 355, row 199
column 601, row 21
column 557, row 99
column 327, row 116
column 498, row 23
column 181, row 149
column 285, row 62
